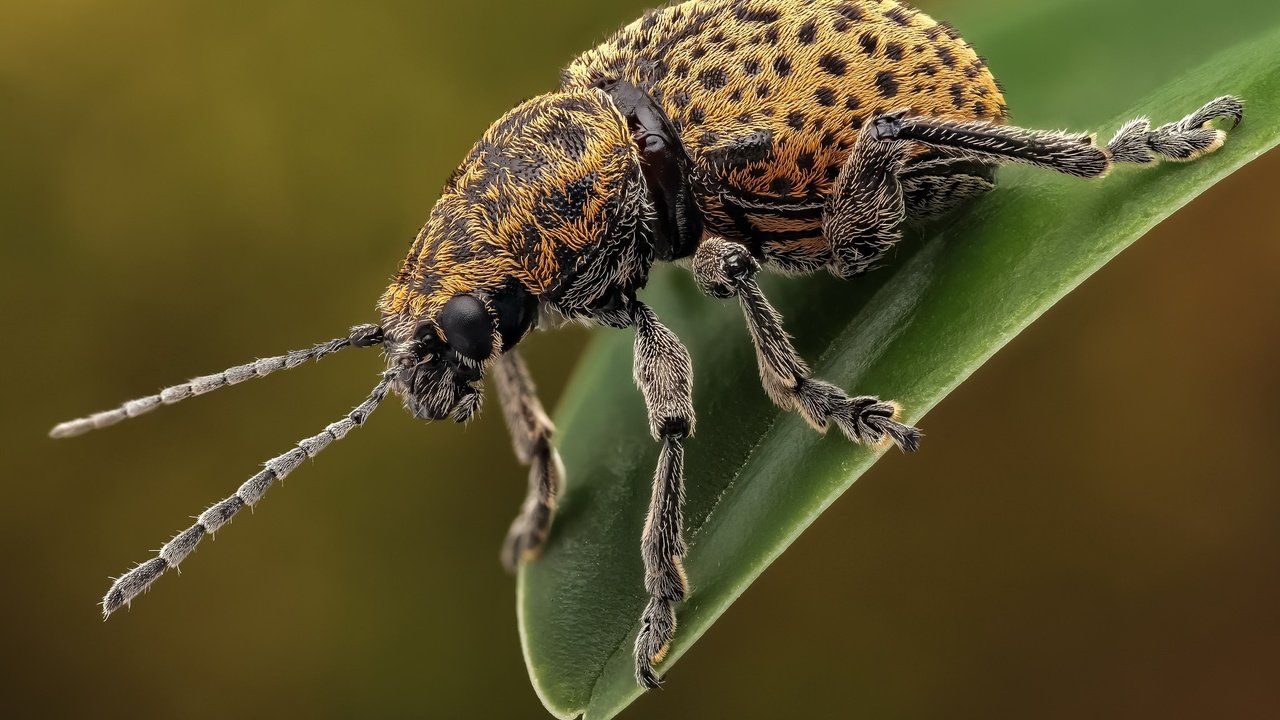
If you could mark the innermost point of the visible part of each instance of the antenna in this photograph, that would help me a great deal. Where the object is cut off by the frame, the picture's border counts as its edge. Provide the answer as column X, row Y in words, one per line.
column 360, row 336
column 128, row 586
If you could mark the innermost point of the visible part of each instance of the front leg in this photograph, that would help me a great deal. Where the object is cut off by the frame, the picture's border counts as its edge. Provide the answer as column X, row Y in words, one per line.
column 724, row 269
column 664, row 375
column 531, row 432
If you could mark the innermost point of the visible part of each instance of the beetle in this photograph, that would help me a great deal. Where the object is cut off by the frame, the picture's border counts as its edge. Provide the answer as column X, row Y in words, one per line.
column 732, row 135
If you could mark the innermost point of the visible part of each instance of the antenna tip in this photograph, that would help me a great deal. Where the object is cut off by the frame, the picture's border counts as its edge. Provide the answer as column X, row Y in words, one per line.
column 70, row 428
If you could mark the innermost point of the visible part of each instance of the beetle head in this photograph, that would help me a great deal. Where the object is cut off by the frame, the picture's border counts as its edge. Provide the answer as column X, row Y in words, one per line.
column 545, row 209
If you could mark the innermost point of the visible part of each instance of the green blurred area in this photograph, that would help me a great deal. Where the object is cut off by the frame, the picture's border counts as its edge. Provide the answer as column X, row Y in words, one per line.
column 1090, row 529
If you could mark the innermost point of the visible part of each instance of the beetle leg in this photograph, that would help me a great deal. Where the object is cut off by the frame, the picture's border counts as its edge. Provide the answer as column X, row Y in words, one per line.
column 939, row 185
column 1069, row 153
column 725, row 269
column 531, row 432
column 664, row 374
column 864, row 213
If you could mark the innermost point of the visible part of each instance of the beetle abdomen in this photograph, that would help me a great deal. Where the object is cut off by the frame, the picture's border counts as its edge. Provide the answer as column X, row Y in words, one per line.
column 768, row 95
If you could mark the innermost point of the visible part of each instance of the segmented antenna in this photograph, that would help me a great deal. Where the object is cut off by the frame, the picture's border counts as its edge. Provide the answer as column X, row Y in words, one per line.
column 360, row 336
column 128, row 586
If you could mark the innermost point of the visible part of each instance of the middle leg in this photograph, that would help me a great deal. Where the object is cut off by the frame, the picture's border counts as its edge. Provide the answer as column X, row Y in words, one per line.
column 726, row 269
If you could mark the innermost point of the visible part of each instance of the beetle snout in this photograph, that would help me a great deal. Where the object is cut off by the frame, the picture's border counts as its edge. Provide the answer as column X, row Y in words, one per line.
column 439, row 388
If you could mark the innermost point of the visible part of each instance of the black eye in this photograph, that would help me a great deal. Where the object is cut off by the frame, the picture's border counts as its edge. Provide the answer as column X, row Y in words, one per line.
column 467, row 327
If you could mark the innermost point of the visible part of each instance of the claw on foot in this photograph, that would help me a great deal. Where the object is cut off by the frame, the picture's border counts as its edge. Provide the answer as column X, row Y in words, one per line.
column 658, row 626
column 522, row 544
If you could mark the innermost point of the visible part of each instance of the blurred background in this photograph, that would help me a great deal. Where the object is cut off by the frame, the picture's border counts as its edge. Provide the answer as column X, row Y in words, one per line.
column 187, row 186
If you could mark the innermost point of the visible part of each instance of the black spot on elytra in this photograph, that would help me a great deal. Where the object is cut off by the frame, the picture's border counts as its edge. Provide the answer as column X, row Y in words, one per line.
column 832, row 65
column 933, row 32
column 957, row 95
column 751, row 66
column 795, row 119
column 697, row 52
column 696, row 115
column 782, row 66
column 832, row 172
column 680, row 99
column 804, row 161
column 682, row 69
column 744, row 118
column 817, row 124
column 731, row 47
column 852, row 103
column 718, row 37
column 828, row 139
column 949, row 30
column 856, row 123
column 868, row 43
column 925, row 69
column 887, row 84
column 848, row 12
column 713, row 78
column 979, row 108
column 825, row 96
column 771, row 36
column 757, row 172
column 735, row 96
column 808, row 33
column 780, row 186
column 762, row 92
column 840, row 25
column 900, row 15
column 894, row 51
column 746, row 13
column 945, row 56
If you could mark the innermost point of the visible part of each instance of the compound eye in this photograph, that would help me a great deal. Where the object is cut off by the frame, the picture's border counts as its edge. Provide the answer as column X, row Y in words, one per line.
column 467, row 327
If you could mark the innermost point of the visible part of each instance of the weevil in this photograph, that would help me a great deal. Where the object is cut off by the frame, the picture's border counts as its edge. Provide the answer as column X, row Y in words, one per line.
column 733, row 135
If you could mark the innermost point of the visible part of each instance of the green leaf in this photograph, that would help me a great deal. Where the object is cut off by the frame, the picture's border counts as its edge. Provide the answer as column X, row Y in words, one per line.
column 911, row 331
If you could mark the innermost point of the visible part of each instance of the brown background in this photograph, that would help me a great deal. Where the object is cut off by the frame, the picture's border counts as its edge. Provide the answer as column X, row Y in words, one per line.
column 1091, row 530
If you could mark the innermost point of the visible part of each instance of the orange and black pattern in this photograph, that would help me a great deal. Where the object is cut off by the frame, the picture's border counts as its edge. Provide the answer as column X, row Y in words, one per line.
column 768, row 97
column 546, row 199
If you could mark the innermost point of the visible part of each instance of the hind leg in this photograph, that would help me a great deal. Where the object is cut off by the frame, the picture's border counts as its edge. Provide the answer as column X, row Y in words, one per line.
column 938, row 185
column 879, row 185
column 1068, row 153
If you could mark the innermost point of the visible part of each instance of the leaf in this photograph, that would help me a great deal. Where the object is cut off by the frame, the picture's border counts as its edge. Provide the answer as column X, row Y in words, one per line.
column 911, row 331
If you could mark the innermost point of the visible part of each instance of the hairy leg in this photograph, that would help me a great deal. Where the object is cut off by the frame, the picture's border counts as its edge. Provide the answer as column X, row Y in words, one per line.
column 938, row 185
column 531, row 432
column 879, row 184
column 726, row 269
column 1069, row 153
column 664, row 374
